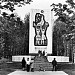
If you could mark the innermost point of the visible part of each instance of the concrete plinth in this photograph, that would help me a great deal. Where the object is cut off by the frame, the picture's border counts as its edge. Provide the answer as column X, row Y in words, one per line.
column 38, row 73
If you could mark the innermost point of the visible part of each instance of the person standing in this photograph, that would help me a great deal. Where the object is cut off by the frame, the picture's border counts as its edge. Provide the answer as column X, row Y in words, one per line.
column 23, row 63
column 28, row 65
column 32, row 67
column 54, row 63
column 44, row 53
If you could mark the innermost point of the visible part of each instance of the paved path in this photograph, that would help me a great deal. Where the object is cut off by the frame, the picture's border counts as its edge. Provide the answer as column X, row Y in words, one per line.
column 38, row 73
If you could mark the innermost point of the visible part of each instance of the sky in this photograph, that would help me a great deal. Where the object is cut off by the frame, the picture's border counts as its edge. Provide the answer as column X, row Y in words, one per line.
column 36, row 4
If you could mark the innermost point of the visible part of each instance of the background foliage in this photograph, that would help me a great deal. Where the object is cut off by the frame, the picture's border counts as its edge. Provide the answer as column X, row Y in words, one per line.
column 14, row 33
column 64, row 29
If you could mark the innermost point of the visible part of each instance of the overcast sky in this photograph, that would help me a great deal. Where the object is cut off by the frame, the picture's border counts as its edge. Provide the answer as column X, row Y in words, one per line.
column 36, row 4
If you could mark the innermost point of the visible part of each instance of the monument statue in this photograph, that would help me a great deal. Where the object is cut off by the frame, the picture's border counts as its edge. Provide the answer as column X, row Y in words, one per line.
column 40, row 26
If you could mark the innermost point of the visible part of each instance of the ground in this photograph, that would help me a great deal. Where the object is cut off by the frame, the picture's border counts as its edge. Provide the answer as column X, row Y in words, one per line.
column 6, row 68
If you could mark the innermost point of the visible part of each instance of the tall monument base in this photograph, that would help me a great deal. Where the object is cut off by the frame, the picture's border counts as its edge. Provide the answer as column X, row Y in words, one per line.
column 40, row 34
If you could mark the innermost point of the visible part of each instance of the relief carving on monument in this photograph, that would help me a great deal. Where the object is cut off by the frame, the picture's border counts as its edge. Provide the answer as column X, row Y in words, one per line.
column 40, row 26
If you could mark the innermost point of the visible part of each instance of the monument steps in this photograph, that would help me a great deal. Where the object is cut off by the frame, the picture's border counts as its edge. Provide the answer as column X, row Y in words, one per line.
column 41, row 63
column 40, row 59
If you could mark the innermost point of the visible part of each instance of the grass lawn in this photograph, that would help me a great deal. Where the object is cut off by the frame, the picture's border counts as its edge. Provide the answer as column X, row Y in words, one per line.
column 67, row 68
column 6, row 68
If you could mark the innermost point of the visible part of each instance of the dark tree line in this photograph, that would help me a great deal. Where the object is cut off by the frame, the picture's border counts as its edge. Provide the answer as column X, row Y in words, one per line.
column 16, row 36
column 14, row 33
column 64, row 29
